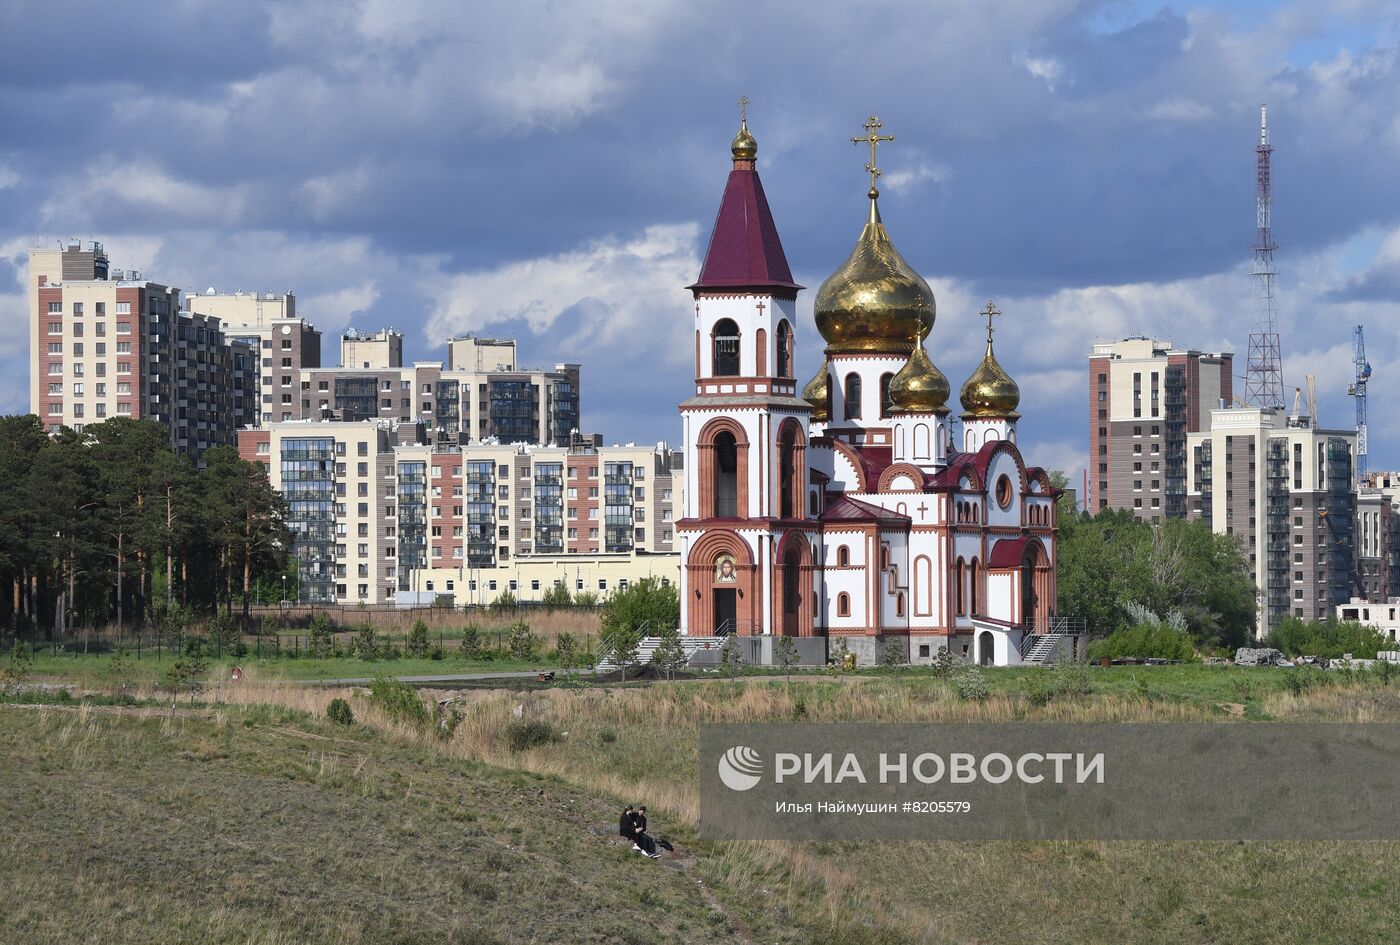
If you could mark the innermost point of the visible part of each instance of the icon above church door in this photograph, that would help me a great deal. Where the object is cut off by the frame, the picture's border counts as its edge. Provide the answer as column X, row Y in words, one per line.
column 725, row 572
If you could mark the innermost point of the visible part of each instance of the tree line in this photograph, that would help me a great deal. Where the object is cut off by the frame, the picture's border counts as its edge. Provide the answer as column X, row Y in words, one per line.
column 112, row 525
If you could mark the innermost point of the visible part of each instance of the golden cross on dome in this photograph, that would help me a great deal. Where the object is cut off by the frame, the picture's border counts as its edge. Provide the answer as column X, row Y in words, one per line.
column 990, row 311
column 743, row 109
column 919, row 323
column 872, row 137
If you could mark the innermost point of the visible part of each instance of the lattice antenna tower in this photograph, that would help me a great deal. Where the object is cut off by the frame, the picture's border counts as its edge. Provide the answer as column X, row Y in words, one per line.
column 1357, row 389
column 1263, row 385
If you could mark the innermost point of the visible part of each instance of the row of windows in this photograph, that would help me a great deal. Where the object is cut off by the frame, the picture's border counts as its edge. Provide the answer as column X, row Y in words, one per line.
column 99, row 308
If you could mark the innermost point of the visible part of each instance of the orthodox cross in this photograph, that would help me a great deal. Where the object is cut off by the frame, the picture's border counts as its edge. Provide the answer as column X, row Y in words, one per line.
column 990, row 311
column 743, row 109
column 923, row 509
column 761, row 307
column 872, row 137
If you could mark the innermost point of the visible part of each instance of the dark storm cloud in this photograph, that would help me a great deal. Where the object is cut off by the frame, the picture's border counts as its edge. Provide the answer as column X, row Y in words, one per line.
column 552, row 168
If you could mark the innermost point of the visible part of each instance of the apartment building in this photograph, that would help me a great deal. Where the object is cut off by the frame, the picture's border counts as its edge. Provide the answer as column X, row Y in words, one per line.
column 375, row 505
column 108, row 343
column 481, row 395
column 1145, row 398
column 378, row 350
column 284, row 344
column 1378, row 537
column 1285, row 488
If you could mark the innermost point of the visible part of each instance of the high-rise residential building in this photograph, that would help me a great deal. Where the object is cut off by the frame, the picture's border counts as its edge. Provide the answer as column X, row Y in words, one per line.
column 482, row 395
column 380, row 350
column 108, row 343
column 1145, row 398
column 1285, row 488
column 1378, row 537
column 375, row 506
column 283, row 343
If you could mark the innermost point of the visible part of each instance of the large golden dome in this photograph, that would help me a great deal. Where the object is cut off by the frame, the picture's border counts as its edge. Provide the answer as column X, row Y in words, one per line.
column 874, row 301
column 818, row 394
column 919, row 387
column 990, row 391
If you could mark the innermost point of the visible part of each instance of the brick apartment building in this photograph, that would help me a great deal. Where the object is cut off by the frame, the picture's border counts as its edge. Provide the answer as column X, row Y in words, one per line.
column 1145, row 397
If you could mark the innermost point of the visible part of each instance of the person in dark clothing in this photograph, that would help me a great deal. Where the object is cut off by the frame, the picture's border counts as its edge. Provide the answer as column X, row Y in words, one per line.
column 626, row 827
column 640, row 838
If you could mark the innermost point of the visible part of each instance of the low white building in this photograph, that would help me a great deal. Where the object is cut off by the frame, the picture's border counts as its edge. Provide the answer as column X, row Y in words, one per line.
column 1385, row 617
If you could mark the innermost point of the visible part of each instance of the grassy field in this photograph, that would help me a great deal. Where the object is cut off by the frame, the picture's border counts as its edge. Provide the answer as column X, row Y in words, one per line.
column 220, row 827
column 255, row 825
column 96, row 670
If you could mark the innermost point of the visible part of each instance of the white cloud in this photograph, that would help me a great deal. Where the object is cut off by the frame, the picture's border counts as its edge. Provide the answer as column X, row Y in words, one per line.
column 1180, row 109
column 8, row 177
column 905, row 180
column 1044, row 68
column 613, row 290
column 104, row 188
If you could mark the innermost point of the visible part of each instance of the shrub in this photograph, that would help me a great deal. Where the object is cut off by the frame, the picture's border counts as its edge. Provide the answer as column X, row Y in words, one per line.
column 506, row 601
column 566, row 651
column 785, row 652
column 669, row 656
column 471, row 643
column 437, row 653
column 524, row 734
column 16, row 665
column 320, row 640
column 366, row 646
column 398, row 700
column 418, row 639
column 730, row 657
column 892, row 658
column 1327, row 638
column 522, row 641
column 1145, row 641
column 586, row 599
column 223, row 632
column 339, row 712
column 971, row 684
column 645, row 607
column 556, row 596
column 943, row 663
column 1072, row 679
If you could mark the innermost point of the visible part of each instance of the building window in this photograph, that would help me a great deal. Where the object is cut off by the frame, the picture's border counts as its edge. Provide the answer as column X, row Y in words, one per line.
column 843, row 605
column 843, row 556
column 853, row 396
column 726, row 348
column 885, row 394
column 784, row 351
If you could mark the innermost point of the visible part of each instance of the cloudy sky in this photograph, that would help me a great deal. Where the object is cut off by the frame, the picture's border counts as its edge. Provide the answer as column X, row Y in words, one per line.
column 550, row 169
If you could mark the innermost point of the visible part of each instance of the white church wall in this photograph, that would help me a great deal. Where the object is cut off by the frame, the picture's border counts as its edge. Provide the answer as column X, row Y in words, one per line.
column 894, row 581
column 1004, row 464
column 1001, row 592
column 870, row 368
column 850, row 579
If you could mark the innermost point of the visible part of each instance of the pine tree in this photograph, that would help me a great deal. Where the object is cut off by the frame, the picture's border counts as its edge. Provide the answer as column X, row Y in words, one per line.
column 669, row 656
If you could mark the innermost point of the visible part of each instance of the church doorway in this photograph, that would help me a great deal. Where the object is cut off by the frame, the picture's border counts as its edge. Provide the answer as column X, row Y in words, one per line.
column 986, row 649
column 726, row 610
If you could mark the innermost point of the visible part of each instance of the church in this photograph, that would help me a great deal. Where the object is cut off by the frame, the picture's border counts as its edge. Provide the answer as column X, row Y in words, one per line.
column 853, row 508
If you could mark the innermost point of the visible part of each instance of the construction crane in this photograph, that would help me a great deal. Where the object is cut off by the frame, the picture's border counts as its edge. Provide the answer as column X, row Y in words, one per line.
column 1357, row 389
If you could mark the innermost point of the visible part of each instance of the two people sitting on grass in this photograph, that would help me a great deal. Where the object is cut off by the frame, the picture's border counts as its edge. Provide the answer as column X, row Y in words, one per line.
column 633, row 826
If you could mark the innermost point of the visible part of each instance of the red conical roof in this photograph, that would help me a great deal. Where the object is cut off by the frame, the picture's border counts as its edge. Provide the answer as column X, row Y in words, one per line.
column 745, row 252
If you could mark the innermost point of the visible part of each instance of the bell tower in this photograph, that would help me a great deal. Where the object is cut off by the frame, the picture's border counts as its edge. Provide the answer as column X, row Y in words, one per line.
column 745, row 428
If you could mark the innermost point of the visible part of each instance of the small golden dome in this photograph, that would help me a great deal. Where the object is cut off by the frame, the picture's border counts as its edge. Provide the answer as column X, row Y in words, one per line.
column 818, row 394
column 919, row 387
column 744, row 147
column 874, row 301
column 990, row 391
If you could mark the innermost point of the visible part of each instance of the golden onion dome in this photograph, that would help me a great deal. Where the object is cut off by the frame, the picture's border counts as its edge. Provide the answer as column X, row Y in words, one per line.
column 919, row 387
column 818, row 394
column 744, row 147
column 990, row 392
column 875, row 300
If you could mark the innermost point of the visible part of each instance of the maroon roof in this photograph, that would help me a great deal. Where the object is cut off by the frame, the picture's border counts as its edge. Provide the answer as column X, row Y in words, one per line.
column 745, row 251
column 1007, row 553
column 845, row 509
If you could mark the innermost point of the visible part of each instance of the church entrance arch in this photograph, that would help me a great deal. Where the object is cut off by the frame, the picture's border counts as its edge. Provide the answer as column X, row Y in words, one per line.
column 986, row 648
column 725, row 583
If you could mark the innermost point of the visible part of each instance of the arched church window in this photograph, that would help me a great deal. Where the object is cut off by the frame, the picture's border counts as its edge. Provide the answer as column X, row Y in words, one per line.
column 787, row 472
column 726, row 348
column 960, row 587
column 843, row 556
column 812, row 504
column 852, row 396
column 792, row 590
column 899, row 605
column 726, row 475
column 885, row 394
column 843, row 605
column 1004, row 491
column 972, row 586
column 784, row 351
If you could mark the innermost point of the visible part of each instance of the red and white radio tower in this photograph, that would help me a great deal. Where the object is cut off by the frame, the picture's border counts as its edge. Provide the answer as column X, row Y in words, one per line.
column 1263, row 384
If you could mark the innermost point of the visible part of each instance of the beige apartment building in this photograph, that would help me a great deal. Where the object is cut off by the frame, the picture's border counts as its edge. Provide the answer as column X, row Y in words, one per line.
column 374, row 506
column 1145, row 397
column 107, row 343
column 380, row 350
column 483, row 394
column 284, row 344
column 1285, row 488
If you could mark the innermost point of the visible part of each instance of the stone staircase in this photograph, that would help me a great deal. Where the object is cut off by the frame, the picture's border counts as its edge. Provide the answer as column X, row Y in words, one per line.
column 648, row 645
column 1041, row 649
